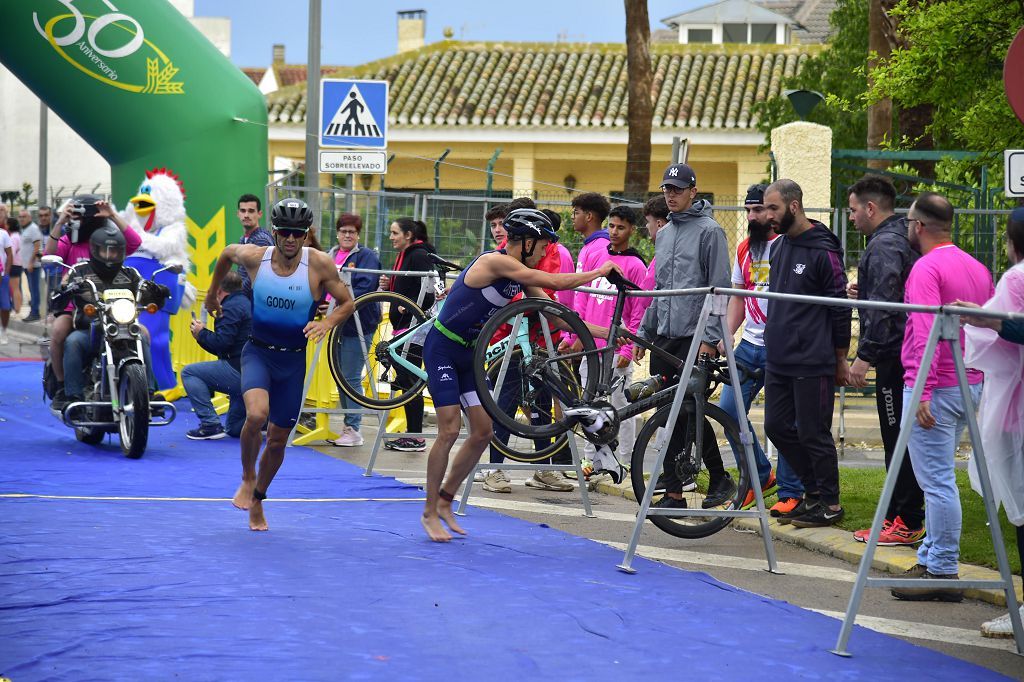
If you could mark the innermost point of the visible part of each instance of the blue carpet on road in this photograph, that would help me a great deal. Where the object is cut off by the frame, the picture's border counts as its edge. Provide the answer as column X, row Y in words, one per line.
column 109, row 589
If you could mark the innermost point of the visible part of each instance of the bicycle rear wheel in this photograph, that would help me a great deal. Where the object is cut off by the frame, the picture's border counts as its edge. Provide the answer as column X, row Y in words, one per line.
column 533, row 324
column 645, row 453
column 521, row 400
column 372, row 354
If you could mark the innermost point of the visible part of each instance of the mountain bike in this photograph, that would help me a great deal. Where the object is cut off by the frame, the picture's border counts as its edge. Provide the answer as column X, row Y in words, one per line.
column 586, row 407
column 389, row 353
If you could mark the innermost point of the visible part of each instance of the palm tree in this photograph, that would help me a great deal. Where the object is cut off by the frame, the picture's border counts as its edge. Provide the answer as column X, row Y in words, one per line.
column 638, row 70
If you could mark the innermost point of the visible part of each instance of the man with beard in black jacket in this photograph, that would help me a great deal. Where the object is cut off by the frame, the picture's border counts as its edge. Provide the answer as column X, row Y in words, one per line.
column 806, row 353
column 881, row 276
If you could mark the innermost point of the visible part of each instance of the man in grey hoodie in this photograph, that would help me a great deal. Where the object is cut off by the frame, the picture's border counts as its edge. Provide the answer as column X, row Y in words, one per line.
column 691, row 251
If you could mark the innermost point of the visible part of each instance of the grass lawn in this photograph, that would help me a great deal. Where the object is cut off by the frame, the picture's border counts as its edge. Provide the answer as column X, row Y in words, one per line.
column 860, row 489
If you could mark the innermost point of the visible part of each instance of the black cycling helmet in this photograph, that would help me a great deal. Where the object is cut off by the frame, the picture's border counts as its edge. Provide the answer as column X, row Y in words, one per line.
column 529, row 223
column 293, row 213
column 107, row 250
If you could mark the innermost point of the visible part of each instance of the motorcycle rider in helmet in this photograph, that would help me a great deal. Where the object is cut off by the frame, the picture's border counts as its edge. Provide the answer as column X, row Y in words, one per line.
column 69, row 239
column 105, row 268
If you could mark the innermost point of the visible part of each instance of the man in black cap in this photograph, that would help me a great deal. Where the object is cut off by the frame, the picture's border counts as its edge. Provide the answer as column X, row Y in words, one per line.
column 691, row 251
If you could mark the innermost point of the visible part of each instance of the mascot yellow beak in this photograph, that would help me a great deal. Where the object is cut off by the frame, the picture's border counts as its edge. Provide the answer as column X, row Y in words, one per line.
column 144, row 204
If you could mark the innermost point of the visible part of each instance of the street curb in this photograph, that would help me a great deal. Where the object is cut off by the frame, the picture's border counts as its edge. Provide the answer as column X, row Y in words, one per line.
column 841, row 545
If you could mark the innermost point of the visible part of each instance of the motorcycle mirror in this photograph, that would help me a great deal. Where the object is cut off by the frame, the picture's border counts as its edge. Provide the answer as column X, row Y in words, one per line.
column 53, row 259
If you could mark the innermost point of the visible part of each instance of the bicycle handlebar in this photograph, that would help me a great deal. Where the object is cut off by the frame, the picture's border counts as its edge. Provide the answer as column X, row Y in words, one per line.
column 616, row 279
column 444, row 264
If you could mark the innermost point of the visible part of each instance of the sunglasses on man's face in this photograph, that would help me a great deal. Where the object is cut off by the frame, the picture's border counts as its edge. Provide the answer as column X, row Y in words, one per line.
column 293, row 233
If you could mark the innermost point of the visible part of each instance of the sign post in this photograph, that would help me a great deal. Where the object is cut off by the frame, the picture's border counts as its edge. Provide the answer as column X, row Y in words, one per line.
column 1013, row 172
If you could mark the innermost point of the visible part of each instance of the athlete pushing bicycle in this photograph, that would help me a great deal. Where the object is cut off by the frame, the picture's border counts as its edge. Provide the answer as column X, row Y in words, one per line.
column 492, row 280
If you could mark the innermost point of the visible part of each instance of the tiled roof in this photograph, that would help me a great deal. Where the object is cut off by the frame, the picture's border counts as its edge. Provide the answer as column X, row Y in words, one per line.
column 812, row 15
column 577, row 86
column 290, row 74
column 255, row 73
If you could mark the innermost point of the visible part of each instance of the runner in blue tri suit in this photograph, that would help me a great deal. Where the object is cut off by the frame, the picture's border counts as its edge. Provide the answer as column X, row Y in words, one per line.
column 483, row 288
column 288, row 279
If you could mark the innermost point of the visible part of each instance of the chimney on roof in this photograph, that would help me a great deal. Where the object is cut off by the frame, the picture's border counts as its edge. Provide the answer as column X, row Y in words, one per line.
column 278, row 54
column 412, row 29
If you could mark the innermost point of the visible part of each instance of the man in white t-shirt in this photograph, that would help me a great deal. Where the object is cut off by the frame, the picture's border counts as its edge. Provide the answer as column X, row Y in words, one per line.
column 31, row 253
column 750, row 272
column 6, row 262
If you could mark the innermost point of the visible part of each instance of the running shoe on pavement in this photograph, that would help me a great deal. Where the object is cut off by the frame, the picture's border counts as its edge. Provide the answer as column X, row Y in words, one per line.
column 406, row 444
column 689, row 485
column 349, row 438
column 1000, row 627
column 784, row 506
column 207, row 432
column 497, row 482
column 862, row 535
column 801, row 508
column 480, row 475
column 820, row 516
column 667, row 502
column 549, row 480
column 767, row 489
column 899, row 534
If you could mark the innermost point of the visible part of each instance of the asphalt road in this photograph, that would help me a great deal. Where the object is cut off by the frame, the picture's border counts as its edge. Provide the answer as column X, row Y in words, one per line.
column 811, row 580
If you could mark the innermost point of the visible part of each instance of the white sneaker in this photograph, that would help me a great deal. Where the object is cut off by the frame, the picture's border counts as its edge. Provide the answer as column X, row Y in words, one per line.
column 480, row 475
column 497, row 482
column 549, row 480
column 349, row 438
column 1000, row 627
column 3, row 337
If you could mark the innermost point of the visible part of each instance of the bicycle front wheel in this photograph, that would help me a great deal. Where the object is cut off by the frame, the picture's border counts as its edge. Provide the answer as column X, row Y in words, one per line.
column 533, row 324
column 367, row 358
column 518, row 398
column 690, row 467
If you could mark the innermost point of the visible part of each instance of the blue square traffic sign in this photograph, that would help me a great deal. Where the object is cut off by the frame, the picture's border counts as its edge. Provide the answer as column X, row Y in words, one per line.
column 353, row 113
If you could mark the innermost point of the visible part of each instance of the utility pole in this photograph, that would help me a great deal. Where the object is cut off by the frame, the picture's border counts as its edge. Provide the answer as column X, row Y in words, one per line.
column 44, row 126
column 313, row 113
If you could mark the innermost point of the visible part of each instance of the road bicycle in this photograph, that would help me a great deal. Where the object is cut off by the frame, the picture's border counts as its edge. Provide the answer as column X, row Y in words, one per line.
column 586, row 409
column 389, row 354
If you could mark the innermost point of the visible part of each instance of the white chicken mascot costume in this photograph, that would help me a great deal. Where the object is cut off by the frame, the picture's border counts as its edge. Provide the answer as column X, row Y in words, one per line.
column 157, row 213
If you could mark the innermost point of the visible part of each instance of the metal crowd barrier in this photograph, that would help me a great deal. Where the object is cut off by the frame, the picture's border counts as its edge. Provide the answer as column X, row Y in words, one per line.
column 946, row 329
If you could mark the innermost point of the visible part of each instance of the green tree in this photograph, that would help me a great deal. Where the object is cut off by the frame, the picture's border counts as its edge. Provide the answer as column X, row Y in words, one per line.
column 952, row 58
column 839, row 73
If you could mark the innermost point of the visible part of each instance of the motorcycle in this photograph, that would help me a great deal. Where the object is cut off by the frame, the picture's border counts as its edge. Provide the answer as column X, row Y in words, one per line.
column 116, row 386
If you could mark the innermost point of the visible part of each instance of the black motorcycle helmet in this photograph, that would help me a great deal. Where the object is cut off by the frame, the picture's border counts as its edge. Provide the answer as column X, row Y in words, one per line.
column 293, row 213
column 84, row 208
column 107, row 248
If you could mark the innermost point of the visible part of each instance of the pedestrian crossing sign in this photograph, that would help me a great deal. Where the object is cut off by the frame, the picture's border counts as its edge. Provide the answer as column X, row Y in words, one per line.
column 353, row 113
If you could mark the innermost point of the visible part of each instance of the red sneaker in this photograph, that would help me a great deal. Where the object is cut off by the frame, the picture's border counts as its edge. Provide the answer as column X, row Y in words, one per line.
column 899, row 534
column 862, row 535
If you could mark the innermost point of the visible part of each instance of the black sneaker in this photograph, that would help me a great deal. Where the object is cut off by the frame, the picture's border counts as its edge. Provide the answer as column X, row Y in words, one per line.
column 407, row 444
column 667, row 502
column 207, row 432
column 819, row 517
column 805, row 506
column 719, row 492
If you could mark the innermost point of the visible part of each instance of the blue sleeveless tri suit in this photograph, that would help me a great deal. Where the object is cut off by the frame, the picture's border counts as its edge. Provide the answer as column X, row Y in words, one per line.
column 274, row 359
column 448, row 349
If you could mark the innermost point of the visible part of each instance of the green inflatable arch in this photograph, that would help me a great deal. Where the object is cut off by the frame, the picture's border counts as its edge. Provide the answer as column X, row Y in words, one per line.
column 147, row 90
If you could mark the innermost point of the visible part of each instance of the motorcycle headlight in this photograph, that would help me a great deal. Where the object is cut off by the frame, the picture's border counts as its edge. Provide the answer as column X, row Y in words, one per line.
column 122, row 311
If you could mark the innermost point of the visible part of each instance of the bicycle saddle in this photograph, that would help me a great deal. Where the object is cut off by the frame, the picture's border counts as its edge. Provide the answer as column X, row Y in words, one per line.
column 446, row 265
column 617, row 280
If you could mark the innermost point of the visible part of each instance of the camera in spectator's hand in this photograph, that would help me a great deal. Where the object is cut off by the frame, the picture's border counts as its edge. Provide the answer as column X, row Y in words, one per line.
column 84, row 211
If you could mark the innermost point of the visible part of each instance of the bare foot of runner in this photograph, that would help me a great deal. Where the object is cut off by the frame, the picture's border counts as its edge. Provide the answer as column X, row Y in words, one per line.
column 444, row 510
column 434, row 529
column 243, row 496
column 256, row 519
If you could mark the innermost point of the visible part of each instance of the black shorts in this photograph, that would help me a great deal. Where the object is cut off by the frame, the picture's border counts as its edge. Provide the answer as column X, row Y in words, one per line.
column 16, row 271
